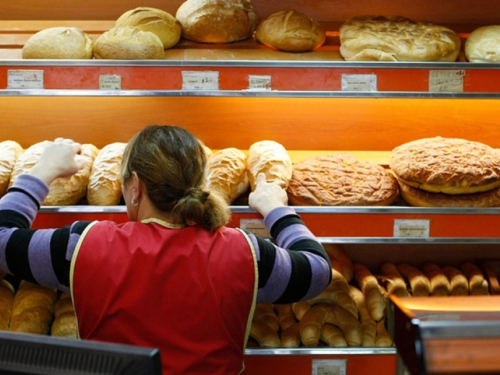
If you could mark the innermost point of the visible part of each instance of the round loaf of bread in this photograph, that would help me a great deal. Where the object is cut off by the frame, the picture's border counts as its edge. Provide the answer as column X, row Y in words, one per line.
column 270, row 158
column 395, row 38
column 128, row 43
column 483, row 45
column 226, row 172
column 217, row 21
column 341, row 180
column 290, row 31
column 9, row 153
column 447, row 165
column 58, row 43
column 154, row 20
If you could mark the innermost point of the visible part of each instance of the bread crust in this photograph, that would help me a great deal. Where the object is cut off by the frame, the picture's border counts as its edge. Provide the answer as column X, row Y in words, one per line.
column 396, row 38
column 341, row 180
column 270, row 158
column 483, row 45
column 290, row 31
column 59, row 43
column 447, row 165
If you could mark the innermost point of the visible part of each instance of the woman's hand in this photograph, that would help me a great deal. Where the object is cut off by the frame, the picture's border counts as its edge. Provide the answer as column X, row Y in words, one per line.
column 59, row 159
column 267, row 195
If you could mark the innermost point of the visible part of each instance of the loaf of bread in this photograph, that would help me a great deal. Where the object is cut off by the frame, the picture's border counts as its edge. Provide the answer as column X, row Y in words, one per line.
column 459, row 285
column 6, row 303
column 290, row 31
column 266, row 336
column 33, row 309
column 217, row 21
column 368, row 325
column 312, row 322
column 270, row 158
column 9, row 153
column 59, row 43
column 65, row 324
column 394, row 281
column 332, row 336
column 264, row 312
column 128, row 43
column 396, row 38
column 66, row 191
column 105, row 184
column 290, row 336
column 335, row 252
column 157, row 21
column 341, row 180
column 226, row 172
column 367, row 282
column 300, row 308
column 419, row 283
column 27, row 160
column 478, row 285
column 482, row 45
column 440, row 286
column 348, row 324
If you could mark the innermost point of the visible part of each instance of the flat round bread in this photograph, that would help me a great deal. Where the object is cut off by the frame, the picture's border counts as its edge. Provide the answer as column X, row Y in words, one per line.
column 483, row 45
column 395, row 38
column 421, row 198
column 447, row 165
column 341, row 180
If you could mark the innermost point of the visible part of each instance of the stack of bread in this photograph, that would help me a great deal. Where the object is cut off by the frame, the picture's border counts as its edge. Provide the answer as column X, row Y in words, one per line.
column 447, row 172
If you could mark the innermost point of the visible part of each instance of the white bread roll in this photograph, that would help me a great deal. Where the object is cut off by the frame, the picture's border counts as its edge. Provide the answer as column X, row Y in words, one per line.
column 27, row 160
column 483, row 45
column 105, row 184
column 154, row 20
column 226, row 172
column 419, row 283
column 58, row 43
column 270, row 158
column 128, row 43
column 9, row 153
column 290, row 31
column 217, row 21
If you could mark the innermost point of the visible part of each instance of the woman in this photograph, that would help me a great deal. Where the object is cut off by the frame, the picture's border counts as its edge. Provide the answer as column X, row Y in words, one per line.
column 173, row 277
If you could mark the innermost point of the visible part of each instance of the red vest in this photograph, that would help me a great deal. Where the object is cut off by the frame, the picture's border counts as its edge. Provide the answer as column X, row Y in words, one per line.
column 186, row 291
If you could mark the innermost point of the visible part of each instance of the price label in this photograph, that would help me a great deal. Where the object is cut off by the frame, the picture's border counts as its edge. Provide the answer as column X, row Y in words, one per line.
column 25, row 79
column 110, row 82
column 329, row 366
column 359, row 82
column 446, row 80
column 255, row 226
column 411, row 228
column 259, row 83
column 200, row 81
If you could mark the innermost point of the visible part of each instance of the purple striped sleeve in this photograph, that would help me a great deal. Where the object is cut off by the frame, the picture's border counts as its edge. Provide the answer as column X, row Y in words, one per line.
column 40, row 260
column 293, row 234
column 319, row 277
column 278, row 281
column 276, row 214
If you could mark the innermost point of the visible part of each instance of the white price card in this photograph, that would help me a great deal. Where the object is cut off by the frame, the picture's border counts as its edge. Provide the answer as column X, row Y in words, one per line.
column 255, row 226
column 329, row 366
column 359, row 82
column 411, row 228
column 110, row 82
column 446, row 80
column 259, row 83
column 25, row 79
column 200, row 80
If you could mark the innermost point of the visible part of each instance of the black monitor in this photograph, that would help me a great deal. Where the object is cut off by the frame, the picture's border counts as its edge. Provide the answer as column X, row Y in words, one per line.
column 24, row 354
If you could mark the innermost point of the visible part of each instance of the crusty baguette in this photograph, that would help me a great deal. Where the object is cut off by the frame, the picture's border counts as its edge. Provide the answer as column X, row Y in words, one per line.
column 368, row 325
column 419, row 283
column 266, row 336
column 375, row 301
column 440, row 286
column 394, row 281
column 332, row 336
column 478, row 286
column 264, row 312
column 459, row 285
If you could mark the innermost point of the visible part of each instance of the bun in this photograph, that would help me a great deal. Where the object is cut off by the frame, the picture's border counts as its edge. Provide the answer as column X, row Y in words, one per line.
column 286, row 316
column 312, row 322
column 157, row 21
column 375, row 301
column 217, row 21
column 33, row 308
column 264, row 335
column 270, row 158
column 394, row 281
column 335, row 252
column 459, row 286
column 105, row 184
column 482, row 45
column 478, row 286
column 6, row 303
column 58, row 43
column 383, row 338
column 128, row 43
column 9, row 153
column 420, row 285
column 395, row 38
column 65, row 324
column 226, row 172
column 440, row 286
column 290, row 31
column 332, row 336
column 264, row 312
column 368, row 325
column 290, row 337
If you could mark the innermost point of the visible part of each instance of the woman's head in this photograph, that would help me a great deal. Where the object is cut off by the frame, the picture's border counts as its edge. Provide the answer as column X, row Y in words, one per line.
column 170, row 161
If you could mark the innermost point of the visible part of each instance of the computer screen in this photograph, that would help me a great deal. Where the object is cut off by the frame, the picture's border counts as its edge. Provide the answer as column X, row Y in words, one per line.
column 46, row 355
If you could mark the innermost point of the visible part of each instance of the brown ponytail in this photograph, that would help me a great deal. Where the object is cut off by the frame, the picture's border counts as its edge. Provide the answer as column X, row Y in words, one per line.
column 171, row 163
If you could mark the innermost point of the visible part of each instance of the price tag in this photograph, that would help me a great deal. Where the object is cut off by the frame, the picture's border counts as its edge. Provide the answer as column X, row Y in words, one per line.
column 259, row 83
column 329, row 366
column 446, row 80
column 110, row 82
column 200, row 80
column 359, row 82
column 25, row 79
column 411, row 228
column 255, row 226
